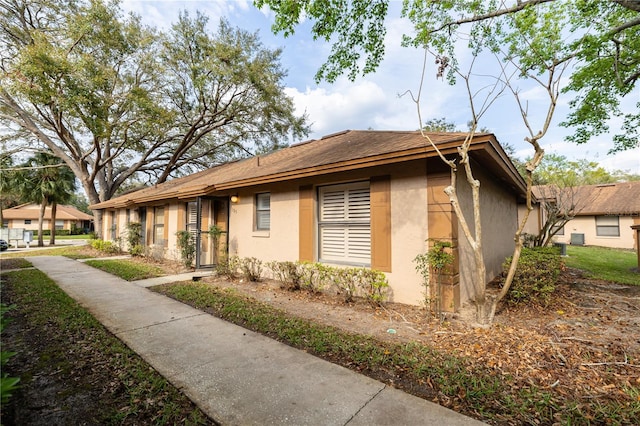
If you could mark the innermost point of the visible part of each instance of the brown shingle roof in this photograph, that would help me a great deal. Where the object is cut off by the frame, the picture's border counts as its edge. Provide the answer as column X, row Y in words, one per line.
column 616, row 198
column 32, row 211
column 613, row 198
column 346, row 150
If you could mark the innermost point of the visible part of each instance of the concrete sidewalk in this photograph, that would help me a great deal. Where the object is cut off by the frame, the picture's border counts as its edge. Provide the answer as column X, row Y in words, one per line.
column 236, row 376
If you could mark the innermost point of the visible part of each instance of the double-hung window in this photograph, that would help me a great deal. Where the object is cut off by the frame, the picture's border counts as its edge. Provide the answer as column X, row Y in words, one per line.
column 158, row 226
column 607, row 226
column 344, row 222
column 263, row 211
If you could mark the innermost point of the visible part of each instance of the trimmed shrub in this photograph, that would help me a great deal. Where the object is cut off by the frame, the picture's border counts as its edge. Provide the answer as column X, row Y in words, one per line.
column 137, row 250
column 228, row 267
column 105, row 246
column 536, row 275
column 251, row 268
column 288, row 273
column 47, row 232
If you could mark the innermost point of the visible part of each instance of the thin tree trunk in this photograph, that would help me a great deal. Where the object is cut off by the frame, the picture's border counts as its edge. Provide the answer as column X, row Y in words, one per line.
column 52, row 238
column 43, row 208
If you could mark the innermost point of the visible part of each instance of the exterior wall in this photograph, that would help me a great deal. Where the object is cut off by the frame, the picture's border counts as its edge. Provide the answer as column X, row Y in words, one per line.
column 587, row 225
column 533, row 224
column 499, row 215
column 33, row 226
column 409, row 216
column 281, row 242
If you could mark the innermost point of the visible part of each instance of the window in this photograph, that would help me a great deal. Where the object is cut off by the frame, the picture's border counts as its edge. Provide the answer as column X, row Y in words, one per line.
column 560, row 229
column 59, row 224
column 345, row 223
column 158, row 225
column 114, row 225
column 263, row 211
column 27, row 221
column 607, row 226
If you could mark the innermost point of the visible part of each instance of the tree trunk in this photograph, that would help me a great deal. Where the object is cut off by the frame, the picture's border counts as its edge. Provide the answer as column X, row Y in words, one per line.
column 52, row 238
column 43, row 208
column 97, row 222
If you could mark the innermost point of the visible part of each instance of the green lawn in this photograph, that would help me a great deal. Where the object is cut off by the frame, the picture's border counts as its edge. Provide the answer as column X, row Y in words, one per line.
column 604, row 263
column 127, row 269
column 73, row 252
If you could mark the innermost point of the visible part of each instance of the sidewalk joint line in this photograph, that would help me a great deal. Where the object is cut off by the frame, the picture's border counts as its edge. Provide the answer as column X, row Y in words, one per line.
column 162, row 323
column 365, row 404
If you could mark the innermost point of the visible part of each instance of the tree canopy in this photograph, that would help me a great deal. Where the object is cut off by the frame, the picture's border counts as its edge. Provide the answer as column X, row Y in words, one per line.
column 600, row 38
column 558, row 170
column 115, row 99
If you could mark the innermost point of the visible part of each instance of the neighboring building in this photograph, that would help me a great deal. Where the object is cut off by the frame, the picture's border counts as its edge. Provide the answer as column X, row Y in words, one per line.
column 363, row 198
column 26, row 216
column 605, row 216
column 604, row 213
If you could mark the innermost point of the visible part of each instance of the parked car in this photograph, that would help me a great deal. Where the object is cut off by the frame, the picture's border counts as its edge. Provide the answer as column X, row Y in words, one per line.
column 3, row 245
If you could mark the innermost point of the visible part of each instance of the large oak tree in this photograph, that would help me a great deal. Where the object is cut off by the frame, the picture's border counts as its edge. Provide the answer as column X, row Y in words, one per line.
column 116, row 100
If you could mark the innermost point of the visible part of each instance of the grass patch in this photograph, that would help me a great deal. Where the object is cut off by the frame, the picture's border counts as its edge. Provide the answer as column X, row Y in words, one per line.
column 453, row 381
column 127, row 269
column 73, row 252
column 604, row 263
column 127, row 389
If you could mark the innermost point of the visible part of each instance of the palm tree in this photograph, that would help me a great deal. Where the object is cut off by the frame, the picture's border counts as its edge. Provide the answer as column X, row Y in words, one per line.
column 48, row 181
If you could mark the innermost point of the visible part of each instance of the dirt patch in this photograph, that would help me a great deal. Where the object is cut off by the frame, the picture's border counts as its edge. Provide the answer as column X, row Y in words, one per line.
column 584, row 345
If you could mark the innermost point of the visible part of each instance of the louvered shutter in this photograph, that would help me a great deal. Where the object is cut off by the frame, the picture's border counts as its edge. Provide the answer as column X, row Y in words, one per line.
column 345, row 230
column 192, row 218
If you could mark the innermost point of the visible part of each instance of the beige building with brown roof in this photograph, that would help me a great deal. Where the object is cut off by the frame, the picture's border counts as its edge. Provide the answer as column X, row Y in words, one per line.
column 26, row 216
column 605, row 216
column 361, row 198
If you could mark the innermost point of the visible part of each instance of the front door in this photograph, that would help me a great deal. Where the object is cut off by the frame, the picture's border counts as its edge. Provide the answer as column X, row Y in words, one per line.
column 210, row 229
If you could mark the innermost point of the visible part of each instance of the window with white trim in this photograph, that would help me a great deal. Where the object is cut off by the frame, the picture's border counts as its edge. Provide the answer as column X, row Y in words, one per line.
column 263, row 211
column 344, row 223
column 607, row 226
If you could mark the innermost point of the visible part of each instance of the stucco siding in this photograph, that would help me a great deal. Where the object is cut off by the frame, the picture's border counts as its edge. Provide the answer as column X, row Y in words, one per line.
column 533, row 221
column 280, row 242
column 499, row 215
column 409, row 228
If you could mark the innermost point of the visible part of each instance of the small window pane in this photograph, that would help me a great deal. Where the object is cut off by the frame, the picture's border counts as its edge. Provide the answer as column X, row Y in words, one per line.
column 159, row 216
column 263, row 211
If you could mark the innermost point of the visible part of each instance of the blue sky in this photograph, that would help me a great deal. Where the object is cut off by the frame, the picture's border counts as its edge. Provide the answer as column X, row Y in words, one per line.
column 373, row 101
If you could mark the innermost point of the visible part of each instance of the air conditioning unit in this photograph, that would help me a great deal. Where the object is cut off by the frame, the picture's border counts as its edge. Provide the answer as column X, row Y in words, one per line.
column 577, row 239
